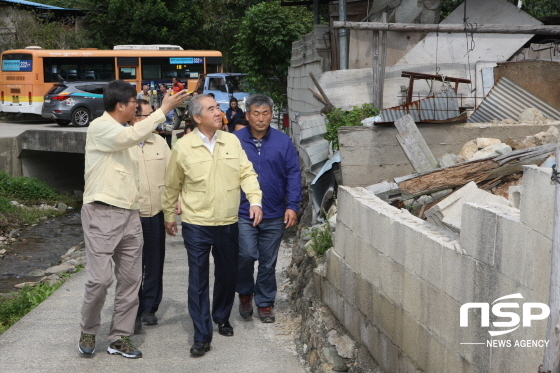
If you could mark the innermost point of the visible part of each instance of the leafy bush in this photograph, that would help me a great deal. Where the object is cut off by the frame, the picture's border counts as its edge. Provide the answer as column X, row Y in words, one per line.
column 339, row 118
column 25, row 188
column 322, row 240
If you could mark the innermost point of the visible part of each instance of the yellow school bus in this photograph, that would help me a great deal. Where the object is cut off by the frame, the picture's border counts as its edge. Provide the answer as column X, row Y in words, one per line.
column 27, row 74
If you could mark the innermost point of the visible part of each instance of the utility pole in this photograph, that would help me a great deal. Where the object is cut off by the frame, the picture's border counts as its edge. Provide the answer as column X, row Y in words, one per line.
column 342, row 36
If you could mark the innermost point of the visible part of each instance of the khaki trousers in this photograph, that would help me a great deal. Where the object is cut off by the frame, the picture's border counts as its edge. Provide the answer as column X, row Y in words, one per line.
column 111, row 235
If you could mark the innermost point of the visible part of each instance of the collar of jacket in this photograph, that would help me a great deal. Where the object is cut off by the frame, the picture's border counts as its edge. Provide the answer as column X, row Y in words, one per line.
column 198, row 140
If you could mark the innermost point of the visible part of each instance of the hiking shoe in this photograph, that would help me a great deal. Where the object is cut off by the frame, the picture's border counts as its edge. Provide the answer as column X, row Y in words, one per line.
column 246, row 305
column 123, row 346
column 86, row 345
column 138, row 324
column 266, row 314
column 149, row 318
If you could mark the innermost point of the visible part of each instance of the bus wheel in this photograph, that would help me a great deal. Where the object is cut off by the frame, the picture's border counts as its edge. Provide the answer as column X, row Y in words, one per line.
column 176, row 121
column 62, row 122
column 81, row 117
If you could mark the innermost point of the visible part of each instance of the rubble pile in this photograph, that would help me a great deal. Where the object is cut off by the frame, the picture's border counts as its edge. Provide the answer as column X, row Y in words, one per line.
column 485, row 170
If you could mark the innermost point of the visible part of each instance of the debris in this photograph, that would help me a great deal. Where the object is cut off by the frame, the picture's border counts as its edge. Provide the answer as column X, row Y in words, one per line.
column 414, row 145
column 492, row 151
column 447, row 213
column 447, row 160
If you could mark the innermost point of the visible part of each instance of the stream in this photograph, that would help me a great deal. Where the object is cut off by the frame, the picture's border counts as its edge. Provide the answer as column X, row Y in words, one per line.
column 39, row 247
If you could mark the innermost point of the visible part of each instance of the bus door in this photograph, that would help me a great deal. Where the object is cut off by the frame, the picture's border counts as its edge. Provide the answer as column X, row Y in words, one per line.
column 16, row 85
column 128, row 70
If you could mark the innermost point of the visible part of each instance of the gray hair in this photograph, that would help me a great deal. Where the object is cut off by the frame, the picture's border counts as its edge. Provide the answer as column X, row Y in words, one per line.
column 258, row 100
column 195, row 107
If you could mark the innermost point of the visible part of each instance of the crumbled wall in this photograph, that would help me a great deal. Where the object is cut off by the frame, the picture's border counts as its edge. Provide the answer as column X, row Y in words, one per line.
column 396, row 282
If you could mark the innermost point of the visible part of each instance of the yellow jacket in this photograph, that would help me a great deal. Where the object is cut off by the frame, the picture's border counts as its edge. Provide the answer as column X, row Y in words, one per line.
column 153, row 158
column 111, row 166
column 209, row 184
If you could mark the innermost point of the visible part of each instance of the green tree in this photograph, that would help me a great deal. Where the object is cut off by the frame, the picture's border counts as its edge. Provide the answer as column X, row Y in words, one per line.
column 148, row 22
column 263, row 46
column 20, row 29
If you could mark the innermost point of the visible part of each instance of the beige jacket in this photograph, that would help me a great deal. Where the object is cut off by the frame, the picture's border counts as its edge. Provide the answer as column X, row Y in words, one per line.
column 153, row 158
column 111, row 166
column 209, row 184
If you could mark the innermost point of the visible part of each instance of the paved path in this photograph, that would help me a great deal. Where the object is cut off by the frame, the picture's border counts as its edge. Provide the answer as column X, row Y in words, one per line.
column 46, row 339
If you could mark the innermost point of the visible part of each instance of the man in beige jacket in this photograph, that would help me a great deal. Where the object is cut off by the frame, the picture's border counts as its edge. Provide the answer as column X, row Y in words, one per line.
column 153, row 157
column 110, row 218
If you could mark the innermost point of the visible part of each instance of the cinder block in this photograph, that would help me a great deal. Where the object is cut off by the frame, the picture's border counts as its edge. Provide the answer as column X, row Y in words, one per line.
column 478, row 232
column 443, row 318
column 348, row 283
column 513, row 360
column 370, row 266
column 391, row 280
column 364, row 296
column 333, row 263
column 523, row 254
column 352, row 320
column 456, row 363
column 436, row 353
column 414, row 302
column 410, row 341
column 458, row 276
column 334, row 301
column 537, row 201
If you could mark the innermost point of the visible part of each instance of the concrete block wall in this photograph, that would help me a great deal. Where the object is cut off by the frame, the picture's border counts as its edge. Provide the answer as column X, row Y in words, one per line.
column 370, row 155
column 309, row 54
column 397, row 282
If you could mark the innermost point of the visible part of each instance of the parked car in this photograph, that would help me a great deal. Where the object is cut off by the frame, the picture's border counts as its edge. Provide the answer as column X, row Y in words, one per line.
column 76, row 102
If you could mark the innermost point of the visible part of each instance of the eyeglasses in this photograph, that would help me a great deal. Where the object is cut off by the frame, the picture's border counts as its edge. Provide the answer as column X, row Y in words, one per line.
column 143, row 115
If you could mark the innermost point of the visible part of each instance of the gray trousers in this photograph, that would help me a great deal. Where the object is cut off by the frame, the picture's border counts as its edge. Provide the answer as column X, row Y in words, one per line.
column 111, row 235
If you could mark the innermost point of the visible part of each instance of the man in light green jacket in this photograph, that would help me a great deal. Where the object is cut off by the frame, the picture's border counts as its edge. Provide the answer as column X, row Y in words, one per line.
column 110, row 219
column 208, row 169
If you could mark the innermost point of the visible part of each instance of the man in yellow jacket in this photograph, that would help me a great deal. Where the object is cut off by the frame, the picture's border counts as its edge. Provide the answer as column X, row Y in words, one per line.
column 153, row 157
column 208, row 169
column 110, row 219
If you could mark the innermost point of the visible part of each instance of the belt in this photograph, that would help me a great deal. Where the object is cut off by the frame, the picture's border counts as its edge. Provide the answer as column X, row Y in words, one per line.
column 103, row 203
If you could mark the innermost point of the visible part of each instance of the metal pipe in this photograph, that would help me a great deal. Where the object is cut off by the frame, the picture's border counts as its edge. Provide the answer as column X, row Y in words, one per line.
column 316, row 8
column 343, row 36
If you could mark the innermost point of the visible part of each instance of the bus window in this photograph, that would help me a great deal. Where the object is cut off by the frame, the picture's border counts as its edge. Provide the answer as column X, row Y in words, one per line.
column 17, row 62
column 78, row 68
column 172, row 67
column 127, row 72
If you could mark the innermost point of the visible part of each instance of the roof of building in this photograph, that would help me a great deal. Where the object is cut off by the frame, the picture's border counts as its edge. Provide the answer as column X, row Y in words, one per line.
column 35, row 5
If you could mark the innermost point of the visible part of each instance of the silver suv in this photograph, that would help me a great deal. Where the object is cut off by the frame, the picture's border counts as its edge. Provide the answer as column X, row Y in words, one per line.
column 74, row 102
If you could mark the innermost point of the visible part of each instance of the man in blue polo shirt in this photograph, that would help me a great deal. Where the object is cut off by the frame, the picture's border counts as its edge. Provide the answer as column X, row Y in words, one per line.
column 275, row 161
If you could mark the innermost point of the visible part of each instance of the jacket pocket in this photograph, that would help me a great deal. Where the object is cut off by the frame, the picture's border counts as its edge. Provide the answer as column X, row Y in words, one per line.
column 197, row 172
column 233, row 199
column 121, row 184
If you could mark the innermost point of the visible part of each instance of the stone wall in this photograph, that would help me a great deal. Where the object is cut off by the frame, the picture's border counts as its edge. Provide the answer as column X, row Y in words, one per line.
column 372, row 154
column 397, row 283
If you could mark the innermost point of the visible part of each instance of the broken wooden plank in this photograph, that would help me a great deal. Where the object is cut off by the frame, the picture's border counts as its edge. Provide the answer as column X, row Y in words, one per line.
column 477, row 171
column 414, row 146
column 317, row 95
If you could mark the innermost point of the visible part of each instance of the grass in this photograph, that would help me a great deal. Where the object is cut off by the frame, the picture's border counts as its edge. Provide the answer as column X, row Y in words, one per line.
column 28, row 191
column 14, row 308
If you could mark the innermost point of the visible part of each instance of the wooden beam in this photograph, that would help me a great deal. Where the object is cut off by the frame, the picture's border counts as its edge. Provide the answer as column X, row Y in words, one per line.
column 450, row 28
column 414, row 146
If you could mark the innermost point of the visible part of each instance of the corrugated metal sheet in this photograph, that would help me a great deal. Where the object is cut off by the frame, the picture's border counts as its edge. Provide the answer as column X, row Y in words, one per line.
column 31, row 3
column 439, row 107
column 506, row 100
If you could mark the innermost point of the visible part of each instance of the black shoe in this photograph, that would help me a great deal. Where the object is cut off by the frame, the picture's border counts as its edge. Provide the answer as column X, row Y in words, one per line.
column 138, row 324
column 149, row 318
column 225, row 329
column 86, row 345
column 200, row 348
column 246, row 305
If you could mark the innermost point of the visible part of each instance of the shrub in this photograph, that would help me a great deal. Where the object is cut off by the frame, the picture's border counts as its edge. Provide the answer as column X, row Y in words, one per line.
column 322, row 240
column 340, row 118
column 25, row 188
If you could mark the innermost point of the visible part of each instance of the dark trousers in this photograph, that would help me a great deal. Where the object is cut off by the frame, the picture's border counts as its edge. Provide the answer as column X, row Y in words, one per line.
column 153, row 256
column 259, row 243
column 222, row 241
